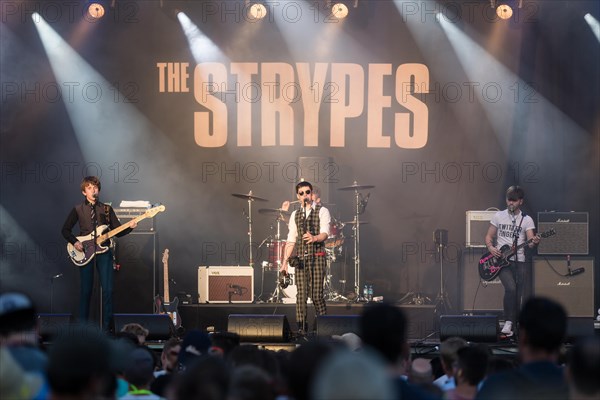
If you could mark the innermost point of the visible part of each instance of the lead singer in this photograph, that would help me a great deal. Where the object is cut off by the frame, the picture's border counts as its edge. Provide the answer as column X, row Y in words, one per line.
column 307, row 231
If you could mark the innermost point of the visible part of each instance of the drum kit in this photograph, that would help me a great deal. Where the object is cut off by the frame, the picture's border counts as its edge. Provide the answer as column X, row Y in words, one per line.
column 285, row 288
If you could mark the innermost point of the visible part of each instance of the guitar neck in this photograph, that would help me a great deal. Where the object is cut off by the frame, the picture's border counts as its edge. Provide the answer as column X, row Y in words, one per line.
column 116, row 231
column 519, row 247
column 166, row 282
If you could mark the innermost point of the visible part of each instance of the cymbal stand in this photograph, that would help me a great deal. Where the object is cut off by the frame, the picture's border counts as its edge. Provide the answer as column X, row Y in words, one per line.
column 442, row 302
column 276, row 295
column 250, row 200
column 330, row 293
column 356, row 228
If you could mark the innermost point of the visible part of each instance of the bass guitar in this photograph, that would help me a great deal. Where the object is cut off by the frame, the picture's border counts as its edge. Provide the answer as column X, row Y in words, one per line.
column 163, row 305
column 90, row 249
column 490, row 266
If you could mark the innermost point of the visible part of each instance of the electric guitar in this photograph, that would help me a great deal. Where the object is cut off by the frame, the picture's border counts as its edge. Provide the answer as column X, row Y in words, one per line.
column 490, row 266
column 90, row 249
column 163, row 305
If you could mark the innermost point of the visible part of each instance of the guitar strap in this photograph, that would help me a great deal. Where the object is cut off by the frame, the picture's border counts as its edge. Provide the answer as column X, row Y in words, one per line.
column 516, row 236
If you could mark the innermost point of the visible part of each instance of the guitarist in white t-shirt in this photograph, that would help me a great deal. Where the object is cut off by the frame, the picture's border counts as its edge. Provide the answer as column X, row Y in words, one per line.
column 512, row 227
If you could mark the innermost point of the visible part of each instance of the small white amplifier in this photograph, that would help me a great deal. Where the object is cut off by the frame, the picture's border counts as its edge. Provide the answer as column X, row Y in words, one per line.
column 225, row 284
column 478, row 223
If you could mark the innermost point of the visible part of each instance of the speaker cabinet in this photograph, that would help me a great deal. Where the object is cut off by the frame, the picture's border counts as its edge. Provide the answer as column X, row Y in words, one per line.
column 51, row 324
column 478, row 223
column 160, row 327
column 477, row 294
column 135, row 282
column 225, row 284
column 474, row 328
column 259, row 328
column 572, row 233
column 330, row 325
column 575, row 293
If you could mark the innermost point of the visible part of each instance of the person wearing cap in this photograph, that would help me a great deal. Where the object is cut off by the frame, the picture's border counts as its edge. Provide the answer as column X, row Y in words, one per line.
column 512, row 227
column 18, row 331
column 91, row 214
column 308, row 230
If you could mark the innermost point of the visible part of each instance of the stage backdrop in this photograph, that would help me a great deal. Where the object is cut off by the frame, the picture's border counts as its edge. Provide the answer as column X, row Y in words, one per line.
column 439, row 106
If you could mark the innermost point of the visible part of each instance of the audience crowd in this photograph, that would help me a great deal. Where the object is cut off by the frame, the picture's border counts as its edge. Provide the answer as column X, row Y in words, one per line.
column 82, row 362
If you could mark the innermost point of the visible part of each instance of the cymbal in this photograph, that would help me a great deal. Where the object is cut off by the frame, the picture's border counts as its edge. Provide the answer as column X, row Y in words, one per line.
column 248, row 196
column 354, row 222
column 356, row 186
column 273, row 211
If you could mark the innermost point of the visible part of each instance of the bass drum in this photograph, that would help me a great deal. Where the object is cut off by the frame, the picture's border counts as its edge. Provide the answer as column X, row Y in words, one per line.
column 290, row 292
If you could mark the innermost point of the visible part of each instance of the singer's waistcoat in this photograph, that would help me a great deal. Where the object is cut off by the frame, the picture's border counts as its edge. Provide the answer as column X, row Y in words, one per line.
column 313, row 226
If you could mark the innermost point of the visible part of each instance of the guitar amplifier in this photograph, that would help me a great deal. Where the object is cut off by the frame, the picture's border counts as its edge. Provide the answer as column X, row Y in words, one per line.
column 127, row 214
column 478, row 223
column 572, row 233
column 225, row 284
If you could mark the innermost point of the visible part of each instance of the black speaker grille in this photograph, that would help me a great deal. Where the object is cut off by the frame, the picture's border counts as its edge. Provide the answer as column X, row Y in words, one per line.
column 572, row 234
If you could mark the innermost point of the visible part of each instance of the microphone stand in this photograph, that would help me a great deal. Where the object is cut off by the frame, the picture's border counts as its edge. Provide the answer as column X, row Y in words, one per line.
column 94, row 239
column 52, row 291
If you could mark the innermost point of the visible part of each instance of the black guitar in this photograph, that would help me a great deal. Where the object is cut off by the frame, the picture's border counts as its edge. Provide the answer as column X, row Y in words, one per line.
column 490, row 266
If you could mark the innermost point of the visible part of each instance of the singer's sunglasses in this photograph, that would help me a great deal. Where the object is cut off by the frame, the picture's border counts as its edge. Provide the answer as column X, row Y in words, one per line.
column 302, row 193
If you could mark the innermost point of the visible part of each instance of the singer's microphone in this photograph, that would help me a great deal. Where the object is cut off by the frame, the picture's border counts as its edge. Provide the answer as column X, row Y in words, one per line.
column 511, row 209
column 577, row 271
column 95, row 195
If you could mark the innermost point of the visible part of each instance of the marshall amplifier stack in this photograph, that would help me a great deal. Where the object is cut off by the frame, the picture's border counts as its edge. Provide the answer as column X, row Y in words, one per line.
column 557, row 275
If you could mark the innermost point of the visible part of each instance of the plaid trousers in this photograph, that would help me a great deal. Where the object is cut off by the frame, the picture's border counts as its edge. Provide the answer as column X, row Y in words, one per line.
column 309, row 282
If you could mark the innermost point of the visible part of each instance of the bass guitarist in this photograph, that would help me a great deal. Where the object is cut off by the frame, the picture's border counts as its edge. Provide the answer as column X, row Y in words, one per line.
column 512, row 227
column 90, row 214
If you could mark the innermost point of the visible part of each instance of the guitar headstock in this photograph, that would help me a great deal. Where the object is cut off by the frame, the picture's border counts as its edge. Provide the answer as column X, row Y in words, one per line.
column 165, row 257
column 155, row 210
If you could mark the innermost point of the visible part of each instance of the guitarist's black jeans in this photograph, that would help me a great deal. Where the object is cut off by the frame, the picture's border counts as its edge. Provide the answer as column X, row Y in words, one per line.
column 516, row 279
column 104, row 264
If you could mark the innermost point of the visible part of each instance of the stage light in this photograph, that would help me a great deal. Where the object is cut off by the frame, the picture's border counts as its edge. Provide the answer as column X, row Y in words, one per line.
column 96, row 10
column 256, row 10
column 504, row 11
column 506, row 8
column 339, row 10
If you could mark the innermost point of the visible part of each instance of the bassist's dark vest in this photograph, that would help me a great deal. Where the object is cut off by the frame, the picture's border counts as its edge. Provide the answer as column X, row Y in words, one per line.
column 85, row 219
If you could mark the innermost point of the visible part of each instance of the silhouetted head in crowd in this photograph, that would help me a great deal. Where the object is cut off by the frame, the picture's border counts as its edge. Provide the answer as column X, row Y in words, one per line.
column 80, row 364
column 251, row 383
column 205, row 378
column 17, row 315
column 348, row 375
column 383, row 328
column 303, row 365
column 252, row 355
column 471, row 365
column 223, row 342
column 542, row 327
column 139, row 367
column 583, row 368
column 448, row 353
